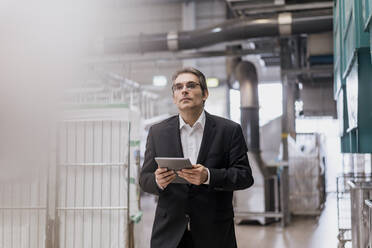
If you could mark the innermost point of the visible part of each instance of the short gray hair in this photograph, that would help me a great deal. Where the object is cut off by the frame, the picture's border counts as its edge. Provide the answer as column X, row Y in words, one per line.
column 196, row 72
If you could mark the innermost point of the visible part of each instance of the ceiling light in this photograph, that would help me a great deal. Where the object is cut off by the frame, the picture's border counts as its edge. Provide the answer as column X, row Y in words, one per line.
column 216, row 30
column 212, row 82
column 159, row 80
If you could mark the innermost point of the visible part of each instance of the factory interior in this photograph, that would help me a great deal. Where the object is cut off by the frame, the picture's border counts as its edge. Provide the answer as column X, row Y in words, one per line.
column 82, row 82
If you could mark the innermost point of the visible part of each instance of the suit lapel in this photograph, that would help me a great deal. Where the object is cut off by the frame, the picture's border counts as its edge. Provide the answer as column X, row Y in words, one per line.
column 173, row 134
column 208, row 135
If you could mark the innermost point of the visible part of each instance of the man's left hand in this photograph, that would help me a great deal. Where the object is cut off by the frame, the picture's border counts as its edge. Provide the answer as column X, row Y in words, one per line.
column 197, row 175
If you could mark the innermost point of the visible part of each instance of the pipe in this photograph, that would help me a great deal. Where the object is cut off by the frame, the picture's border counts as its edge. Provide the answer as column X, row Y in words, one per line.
column 246, row 74
column 230, row 30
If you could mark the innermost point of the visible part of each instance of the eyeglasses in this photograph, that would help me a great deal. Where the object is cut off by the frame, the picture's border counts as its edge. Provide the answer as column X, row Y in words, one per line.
column 189, row 86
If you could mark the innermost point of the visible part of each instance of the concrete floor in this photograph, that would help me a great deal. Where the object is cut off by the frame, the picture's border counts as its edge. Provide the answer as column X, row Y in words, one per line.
column 304, row 232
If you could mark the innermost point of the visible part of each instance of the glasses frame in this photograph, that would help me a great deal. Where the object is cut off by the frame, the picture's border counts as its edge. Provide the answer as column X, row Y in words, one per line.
column 174, row 89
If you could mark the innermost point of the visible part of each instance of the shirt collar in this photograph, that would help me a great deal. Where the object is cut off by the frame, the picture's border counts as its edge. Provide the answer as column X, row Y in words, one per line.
column 200, row 121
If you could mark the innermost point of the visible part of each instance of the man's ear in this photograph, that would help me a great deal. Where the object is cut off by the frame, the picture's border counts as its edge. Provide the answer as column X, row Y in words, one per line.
column 205, row 94
column 174, row 99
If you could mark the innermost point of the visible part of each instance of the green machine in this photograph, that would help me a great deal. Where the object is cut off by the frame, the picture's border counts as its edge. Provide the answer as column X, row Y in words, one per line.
column 367, row 19
column 353, row 74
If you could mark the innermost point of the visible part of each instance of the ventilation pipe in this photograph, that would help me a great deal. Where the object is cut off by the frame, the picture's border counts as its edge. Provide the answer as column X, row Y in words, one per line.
column 246, row 74
column 236, row 29
column 261, row 202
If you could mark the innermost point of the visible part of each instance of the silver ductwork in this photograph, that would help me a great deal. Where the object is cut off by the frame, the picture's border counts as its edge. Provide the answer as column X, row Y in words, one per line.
column 246, row 74
column 261, row 202
column 237, row 29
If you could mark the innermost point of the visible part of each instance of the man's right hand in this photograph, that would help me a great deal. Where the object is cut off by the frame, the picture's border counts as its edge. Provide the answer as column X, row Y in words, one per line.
column 163, row 177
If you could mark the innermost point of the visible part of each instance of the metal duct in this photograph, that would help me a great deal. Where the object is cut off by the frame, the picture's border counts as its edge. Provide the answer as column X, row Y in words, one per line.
column 237, row 29
column 246, row 74
column 263, row 192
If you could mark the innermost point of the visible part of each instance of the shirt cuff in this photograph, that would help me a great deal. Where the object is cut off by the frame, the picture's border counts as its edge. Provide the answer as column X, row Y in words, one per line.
column 209, row 177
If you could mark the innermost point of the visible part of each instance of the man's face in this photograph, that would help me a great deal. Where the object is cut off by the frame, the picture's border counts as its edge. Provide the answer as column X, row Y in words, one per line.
column 187, row 93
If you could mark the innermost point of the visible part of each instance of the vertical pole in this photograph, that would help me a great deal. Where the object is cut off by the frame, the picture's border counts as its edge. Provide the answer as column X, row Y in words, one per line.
column 48, row 220
column 11, row 214
column 93, row 168
column 21, row 215
column 55, row 241
column 38, row 213
column 66, row 183
column 110, row 182
column 100, row 212
column 84, row 178
column 284, row 192
column 189, row 23
column 75, row 174
column 29, row 218
column 129, row 241
column 3, row 216
column 288, row 117
column 120, row 170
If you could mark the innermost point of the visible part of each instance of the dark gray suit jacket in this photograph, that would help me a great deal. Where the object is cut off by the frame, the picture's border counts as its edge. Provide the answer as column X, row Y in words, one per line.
column 223, row 150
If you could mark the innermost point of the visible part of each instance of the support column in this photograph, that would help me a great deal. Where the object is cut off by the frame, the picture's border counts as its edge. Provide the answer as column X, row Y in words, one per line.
column 189, row 23
column 289, row 92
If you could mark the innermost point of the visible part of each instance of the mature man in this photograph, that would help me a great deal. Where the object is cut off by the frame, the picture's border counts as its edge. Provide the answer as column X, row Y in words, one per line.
column 198, row 214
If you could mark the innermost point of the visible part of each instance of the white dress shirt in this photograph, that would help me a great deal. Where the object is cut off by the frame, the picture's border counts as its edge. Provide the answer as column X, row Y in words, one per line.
column 191, row 138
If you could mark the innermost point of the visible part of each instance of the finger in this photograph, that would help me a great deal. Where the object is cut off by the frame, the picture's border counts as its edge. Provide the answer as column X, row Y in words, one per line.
column 170, row 172
column 168, row 180
column 161, row 170
column 188, row 171
column 186, row 176
column 165, row 174
column 180, row 174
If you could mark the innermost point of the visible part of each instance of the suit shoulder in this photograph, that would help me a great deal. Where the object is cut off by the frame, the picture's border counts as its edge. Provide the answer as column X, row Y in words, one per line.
column 224, row 122
column 163, row 124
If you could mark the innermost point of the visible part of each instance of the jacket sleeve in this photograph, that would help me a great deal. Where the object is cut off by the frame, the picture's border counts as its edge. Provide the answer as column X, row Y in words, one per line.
column 147, row 176
column 238, row 174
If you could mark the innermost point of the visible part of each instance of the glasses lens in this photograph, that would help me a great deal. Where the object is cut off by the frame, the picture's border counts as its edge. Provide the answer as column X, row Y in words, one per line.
column 178, row 87
column 189, row 86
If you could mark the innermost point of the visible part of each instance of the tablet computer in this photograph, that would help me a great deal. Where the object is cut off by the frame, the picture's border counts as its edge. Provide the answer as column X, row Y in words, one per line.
column 175, row 164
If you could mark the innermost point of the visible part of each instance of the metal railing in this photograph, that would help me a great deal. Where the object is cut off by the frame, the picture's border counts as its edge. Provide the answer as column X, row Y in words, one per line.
column 360, row 190
column 93, row 178
column 23, row 212
column 369, row 205
column 83, row 199
column 344, row 210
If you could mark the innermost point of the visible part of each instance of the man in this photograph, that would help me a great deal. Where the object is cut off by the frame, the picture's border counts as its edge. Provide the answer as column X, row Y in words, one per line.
column 198, row 214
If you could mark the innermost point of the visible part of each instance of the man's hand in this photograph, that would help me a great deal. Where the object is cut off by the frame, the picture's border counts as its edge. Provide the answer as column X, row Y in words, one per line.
column 197, row 175
column 163, row 177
